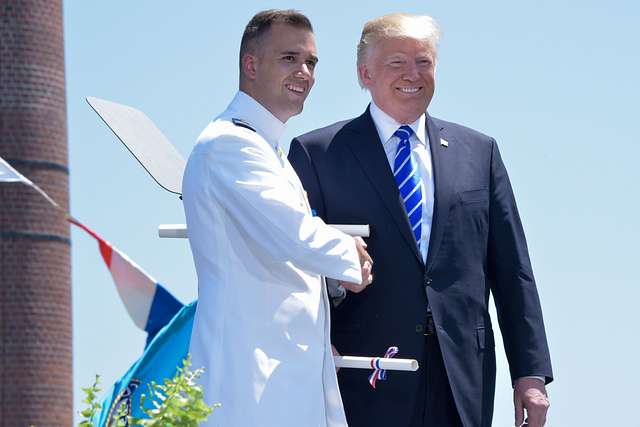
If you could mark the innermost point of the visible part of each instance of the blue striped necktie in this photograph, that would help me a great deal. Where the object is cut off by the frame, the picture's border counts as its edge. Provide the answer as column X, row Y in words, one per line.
column 405, row 170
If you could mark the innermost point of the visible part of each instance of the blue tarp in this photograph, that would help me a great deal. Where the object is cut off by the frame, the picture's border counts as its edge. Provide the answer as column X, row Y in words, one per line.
column 160, row 360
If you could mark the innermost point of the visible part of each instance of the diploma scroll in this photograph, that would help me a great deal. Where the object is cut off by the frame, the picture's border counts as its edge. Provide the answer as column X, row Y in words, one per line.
column 179, row 231
column 353, row 229
column 367, row 363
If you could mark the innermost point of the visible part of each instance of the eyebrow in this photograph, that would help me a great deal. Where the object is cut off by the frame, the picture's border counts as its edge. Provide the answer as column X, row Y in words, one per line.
column 297, row 53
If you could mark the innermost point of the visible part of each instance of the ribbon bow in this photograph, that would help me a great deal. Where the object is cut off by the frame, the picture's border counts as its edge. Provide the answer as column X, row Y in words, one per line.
column 379, row 373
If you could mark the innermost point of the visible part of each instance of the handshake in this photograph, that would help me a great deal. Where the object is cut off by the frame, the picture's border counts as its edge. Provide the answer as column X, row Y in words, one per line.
column 366, row 266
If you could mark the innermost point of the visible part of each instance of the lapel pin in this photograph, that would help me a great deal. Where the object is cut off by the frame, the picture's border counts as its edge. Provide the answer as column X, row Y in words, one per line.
column 444, row 142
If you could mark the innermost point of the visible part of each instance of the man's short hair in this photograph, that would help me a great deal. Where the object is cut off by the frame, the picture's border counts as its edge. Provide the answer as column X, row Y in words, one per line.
column 398, row 25
column 261, row 23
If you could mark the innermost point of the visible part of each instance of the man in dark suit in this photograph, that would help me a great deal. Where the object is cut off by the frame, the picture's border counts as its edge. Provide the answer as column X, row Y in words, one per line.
column 445, row 232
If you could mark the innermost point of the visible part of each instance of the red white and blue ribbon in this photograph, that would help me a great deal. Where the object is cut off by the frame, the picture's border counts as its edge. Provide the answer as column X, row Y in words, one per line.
column 379, row 373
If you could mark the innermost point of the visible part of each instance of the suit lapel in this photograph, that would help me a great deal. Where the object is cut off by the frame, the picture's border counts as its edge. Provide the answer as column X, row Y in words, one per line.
column 365, row 144
column 443, row 158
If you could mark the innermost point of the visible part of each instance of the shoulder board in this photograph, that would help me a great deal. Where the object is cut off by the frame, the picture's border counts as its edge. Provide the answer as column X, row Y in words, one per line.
column 242, row 124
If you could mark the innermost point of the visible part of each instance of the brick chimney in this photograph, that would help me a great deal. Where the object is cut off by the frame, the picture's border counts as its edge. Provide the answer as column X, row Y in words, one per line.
column 35, row 267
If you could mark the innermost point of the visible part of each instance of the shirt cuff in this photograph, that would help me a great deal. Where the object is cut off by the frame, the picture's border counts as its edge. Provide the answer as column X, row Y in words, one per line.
column 336, row 292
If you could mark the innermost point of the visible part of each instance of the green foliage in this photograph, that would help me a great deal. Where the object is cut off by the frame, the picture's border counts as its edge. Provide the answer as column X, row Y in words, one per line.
column 91, row 399
column 178, row 401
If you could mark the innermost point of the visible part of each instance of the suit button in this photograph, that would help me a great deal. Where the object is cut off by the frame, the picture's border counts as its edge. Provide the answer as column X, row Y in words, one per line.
column 427, row 281
column 419, row 328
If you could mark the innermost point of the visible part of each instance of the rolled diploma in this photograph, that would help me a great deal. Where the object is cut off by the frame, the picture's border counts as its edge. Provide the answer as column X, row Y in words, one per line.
column 361, row 230
column 385, row 363
column 179, row 231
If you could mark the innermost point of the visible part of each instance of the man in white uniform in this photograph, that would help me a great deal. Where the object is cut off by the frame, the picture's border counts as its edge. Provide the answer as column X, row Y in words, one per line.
column 261, row 328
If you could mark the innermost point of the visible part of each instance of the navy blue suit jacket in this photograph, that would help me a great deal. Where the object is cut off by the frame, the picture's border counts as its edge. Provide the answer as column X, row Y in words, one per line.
column 477, row 246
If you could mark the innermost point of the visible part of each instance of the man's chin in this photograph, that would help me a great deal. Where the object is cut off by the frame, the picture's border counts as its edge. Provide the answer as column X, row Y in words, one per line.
column 296, row 108
column 415, row 109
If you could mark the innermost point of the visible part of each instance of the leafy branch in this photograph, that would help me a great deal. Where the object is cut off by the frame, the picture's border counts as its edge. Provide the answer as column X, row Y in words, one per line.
column 177, row 401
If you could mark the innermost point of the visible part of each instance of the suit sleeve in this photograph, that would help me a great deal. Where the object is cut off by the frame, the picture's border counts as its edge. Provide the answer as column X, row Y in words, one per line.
column 247, row 180
column 512, row 282
column 301, row 161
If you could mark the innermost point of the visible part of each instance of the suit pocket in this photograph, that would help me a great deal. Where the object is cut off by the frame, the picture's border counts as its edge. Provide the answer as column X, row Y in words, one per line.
column 480, row 195
column 485, row 338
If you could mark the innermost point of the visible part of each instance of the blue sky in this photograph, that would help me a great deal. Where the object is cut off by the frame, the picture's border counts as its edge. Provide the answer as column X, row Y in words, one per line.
column 553, row 81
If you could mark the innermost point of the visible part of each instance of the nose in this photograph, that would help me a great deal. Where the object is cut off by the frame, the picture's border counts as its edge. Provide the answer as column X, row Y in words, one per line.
column 411, row 72
column 304, row 71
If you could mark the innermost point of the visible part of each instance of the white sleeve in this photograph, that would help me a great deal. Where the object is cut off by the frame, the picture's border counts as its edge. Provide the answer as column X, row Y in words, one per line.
column 248, row 180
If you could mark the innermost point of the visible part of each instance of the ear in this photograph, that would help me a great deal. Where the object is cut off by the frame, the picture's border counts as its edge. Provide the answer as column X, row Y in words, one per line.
column 249, row 66
column 365, row 75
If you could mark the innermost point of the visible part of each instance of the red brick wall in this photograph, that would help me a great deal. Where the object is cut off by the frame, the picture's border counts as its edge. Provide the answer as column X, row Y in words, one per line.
column 35, row 268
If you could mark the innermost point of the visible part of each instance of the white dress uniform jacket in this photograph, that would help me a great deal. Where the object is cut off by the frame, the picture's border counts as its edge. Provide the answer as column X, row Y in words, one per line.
column 261, row 328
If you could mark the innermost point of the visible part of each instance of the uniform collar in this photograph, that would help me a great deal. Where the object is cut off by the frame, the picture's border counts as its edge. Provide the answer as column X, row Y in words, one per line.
column 247, row 109
column 387, row 125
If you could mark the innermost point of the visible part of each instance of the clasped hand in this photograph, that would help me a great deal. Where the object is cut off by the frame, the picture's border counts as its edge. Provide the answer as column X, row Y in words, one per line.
column 366, row 266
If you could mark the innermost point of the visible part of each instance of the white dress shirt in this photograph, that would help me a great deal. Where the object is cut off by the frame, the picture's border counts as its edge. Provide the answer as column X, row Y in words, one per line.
column 261, row 327
column 386, row 127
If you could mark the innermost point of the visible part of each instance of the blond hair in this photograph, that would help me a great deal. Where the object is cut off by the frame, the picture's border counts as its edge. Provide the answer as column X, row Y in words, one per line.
column 398, row 25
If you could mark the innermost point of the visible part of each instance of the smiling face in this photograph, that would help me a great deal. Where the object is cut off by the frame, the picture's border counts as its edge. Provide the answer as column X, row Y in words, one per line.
column 280, row 73
column 400, row 74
